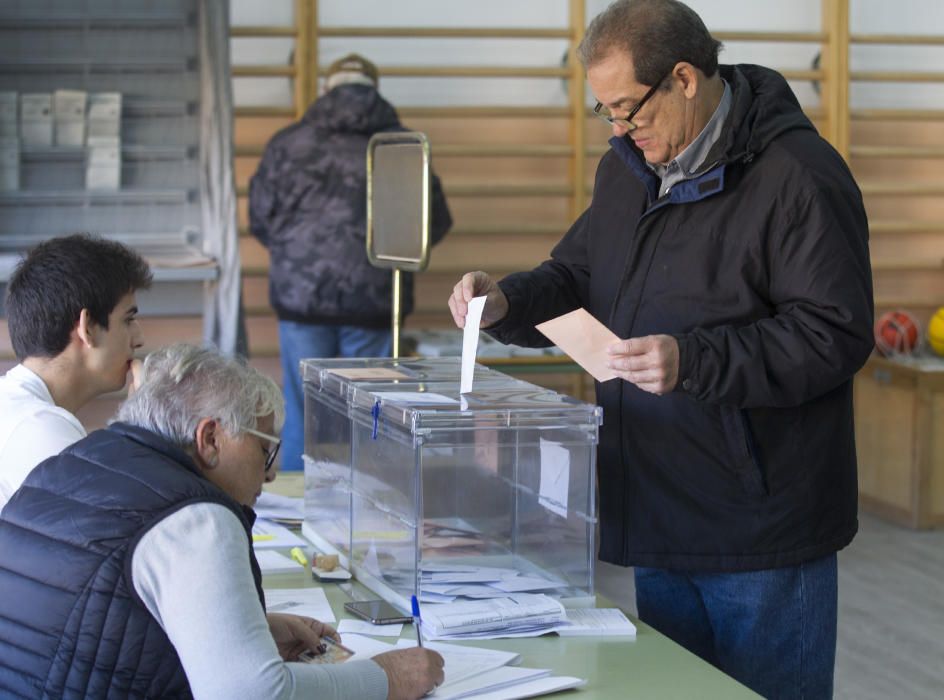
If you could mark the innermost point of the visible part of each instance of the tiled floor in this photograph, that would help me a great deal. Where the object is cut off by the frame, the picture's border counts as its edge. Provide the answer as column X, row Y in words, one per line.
column 891, row 612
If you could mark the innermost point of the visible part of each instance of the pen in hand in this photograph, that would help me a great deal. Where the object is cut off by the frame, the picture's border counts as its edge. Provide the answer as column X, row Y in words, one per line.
column 416, row 621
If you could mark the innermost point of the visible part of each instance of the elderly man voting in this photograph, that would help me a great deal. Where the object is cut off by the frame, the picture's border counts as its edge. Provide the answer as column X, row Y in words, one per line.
column 726, row 247
column 126, row 562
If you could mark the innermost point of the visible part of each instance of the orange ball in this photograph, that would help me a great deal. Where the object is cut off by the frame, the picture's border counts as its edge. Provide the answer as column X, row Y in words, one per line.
column 896, row 333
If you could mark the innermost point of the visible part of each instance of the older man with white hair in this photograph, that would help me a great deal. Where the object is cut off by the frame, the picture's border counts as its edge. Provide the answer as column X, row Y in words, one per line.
column 126, row 561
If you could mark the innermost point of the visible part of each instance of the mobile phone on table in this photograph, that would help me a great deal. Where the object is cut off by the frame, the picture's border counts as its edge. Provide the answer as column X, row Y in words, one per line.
column 378, row 612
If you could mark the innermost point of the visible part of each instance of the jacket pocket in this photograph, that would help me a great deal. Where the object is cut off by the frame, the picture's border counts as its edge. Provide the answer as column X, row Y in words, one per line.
column 743, row 451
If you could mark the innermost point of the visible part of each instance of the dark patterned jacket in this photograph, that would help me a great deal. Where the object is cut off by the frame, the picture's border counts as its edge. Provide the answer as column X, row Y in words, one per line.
column 71, row 624
column 308, row 206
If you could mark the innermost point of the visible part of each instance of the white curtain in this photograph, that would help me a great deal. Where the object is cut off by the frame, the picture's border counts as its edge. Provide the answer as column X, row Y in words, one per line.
column 223, row 323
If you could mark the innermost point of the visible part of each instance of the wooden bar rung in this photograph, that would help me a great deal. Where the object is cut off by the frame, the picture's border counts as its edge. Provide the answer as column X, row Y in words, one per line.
column 260, row 32
column 907, row 265
column 929, row 115
column 449, row 32
column 886, row 226
column 929, row 152
column 468, row 72
column 501, row 150
column 899, row 39
column 897, row 76
column 262, row 71
column 264, row 111
column 906, row 189
column 482, row 111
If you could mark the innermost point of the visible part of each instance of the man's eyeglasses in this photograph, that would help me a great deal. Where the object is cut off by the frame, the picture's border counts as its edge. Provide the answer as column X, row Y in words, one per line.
column 270, row 453
column 627, row 121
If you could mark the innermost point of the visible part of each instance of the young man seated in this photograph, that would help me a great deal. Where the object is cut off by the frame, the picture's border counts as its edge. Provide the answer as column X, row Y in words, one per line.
column 72, row 318
column 127, row 565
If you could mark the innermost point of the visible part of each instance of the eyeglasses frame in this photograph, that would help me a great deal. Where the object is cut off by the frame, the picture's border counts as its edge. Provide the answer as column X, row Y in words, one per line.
column 270, row 456
column 627, row 122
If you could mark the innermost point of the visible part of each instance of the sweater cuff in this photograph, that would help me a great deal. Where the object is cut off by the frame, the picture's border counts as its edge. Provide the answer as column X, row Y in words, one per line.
column 364, row 678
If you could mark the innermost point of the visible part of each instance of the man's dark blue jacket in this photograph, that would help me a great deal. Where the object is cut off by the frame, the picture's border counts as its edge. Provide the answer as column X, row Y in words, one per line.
column 759, row 267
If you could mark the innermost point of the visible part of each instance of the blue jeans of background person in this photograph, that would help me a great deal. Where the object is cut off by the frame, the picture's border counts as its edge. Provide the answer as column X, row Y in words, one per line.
column 298, row 341
column 773, row 630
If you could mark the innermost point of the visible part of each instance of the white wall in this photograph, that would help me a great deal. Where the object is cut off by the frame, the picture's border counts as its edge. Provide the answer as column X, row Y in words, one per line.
column 867, row 16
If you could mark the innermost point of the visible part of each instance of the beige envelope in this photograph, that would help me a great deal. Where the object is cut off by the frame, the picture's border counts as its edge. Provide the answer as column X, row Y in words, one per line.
column 585, row 339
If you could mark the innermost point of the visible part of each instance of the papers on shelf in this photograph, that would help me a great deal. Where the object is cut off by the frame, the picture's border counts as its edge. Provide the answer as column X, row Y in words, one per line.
column 272, row 506
column 269, row 535
column 310, row 602
column 271, row 562
column 522, row 614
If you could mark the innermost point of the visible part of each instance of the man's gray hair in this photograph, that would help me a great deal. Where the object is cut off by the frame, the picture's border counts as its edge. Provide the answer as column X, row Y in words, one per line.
column 656, row 34
column 182, row 384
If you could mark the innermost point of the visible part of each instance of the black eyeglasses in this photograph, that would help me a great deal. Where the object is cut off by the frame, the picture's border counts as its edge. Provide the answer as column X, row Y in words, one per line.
column 627, row 121
column 269, row 454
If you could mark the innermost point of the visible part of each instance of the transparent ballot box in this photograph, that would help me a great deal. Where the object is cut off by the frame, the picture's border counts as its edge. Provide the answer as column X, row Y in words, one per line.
column 423, row 491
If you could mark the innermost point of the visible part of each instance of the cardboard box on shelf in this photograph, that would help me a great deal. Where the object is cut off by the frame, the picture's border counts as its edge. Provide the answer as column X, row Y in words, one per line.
column 69, row 114
column 36, row 119
column 104, row 114
column 9, row 122
column 9, row 164
column 103, row 163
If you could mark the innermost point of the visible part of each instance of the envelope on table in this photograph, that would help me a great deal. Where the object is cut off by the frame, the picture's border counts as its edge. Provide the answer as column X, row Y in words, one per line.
column 584, row 339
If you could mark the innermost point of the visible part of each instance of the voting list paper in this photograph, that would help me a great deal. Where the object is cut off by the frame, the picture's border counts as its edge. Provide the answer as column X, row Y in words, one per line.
column 470, row 342
column 584, row 339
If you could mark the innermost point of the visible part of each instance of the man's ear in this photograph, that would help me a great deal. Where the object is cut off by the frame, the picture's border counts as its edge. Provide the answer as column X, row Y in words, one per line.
column 84, row 328
column 688, row 76
column 207, row 443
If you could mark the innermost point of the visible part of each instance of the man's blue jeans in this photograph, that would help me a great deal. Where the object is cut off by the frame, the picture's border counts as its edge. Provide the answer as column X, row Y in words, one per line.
column 772, row 630
column 298, row 341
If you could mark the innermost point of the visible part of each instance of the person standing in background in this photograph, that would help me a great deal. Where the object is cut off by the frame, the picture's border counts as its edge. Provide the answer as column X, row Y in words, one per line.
column 308, row 207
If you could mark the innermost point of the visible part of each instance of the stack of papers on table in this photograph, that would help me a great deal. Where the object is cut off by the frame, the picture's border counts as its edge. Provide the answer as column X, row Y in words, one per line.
column 521, row 615
column 284, row 509
column 474, row 672
column 271, row 562
column 269, row 535
column 309, row 602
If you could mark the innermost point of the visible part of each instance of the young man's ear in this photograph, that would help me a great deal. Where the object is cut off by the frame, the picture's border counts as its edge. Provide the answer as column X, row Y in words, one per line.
column 84, row 328
column 207, row 443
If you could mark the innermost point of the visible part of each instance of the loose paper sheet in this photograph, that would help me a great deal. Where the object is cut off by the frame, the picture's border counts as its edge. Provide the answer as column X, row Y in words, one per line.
column 309, row 602
column 365, row 627
column 470, row 342
column 555, row 477
column 584, row 339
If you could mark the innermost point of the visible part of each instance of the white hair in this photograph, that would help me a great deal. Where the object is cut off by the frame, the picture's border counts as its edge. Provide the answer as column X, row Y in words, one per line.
column 183, row 384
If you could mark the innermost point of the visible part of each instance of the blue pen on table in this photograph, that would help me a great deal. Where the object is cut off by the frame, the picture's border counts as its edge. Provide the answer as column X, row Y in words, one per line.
column 417, row 620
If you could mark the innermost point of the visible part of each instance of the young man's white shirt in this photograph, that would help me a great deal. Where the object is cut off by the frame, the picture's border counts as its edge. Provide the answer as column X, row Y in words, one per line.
column 32, row 428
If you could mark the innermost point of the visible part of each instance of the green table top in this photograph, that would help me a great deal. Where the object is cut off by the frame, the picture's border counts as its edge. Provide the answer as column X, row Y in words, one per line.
column 651, row 666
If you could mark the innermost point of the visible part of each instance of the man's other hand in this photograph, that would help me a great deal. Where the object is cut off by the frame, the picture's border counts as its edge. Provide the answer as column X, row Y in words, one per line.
column 476, row 284
column 411, row 673
column 650, row 362
column 294, row 634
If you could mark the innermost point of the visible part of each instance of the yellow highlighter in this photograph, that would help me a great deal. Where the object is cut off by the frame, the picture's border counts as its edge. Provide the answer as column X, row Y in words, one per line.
column 262, row 538
column 299, row 556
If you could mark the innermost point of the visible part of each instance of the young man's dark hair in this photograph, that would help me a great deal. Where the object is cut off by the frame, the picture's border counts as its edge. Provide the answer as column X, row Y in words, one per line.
column 59, row 278
column 656, row 34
